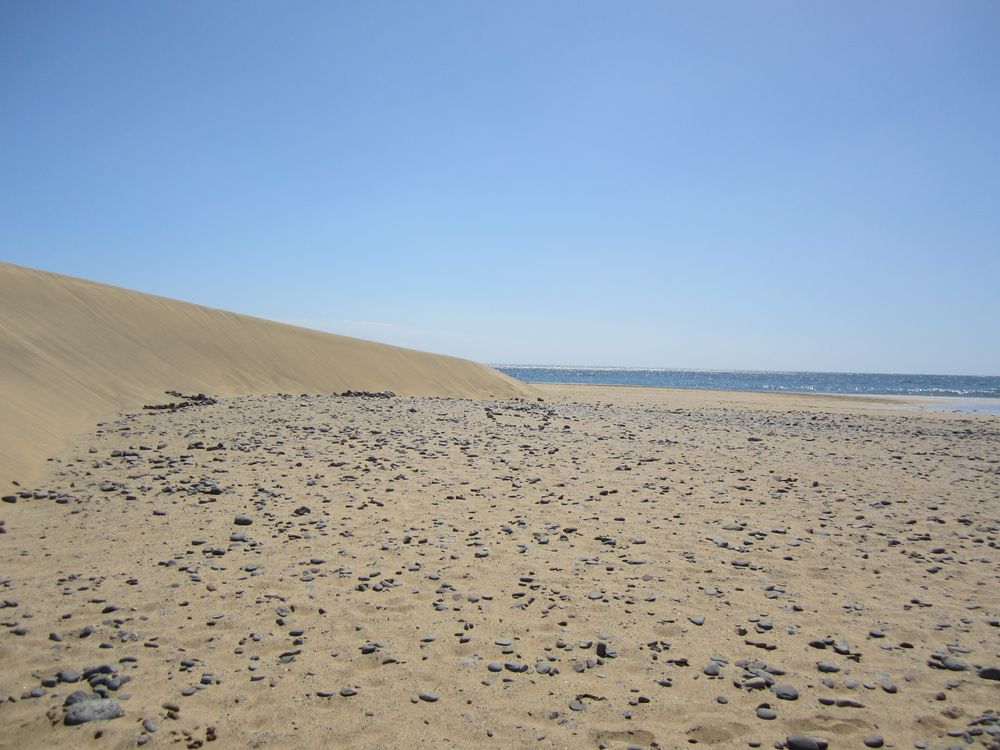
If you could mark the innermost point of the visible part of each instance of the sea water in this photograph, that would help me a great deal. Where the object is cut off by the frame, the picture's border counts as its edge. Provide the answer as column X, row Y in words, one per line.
column 857, row 383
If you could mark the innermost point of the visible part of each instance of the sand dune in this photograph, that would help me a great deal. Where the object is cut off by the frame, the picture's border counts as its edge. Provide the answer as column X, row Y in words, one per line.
column 74, row 351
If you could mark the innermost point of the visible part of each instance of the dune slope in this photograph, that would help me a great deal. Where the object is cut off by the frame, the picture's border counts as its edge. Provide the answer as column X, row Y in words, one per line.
column 73, row 351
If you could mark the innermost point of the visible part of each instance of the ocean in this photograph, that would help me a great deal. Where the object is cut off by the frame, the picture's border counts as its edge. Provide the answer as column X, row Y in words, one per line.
column 857, row 383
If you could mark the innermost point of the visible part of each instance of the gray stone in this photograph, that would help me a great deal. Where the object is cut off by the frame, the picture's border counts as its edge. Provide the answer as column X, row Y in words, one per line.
column 92, row 710
column 800, row 742
column 954, row 665
column 76, row 697
column 785, row 692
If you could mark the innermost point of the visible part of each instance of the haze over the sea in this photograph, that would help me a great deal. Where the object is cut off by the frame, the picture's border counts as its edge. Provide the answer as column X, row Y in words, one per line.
column 720, row 185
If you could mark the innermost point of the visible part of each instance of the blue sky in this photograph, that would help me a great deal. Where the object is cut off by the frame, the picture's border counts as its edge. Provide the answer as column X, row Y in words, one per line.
column 769, row 185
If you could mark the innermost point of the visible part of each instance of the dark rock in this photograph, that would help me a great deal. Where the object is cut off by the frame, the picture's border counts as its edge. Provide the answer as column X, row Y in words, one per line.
column 801, row 742
column 766, row 712
column 76, row 697
column 785, row 692
column 950, row 663
column 101, row 709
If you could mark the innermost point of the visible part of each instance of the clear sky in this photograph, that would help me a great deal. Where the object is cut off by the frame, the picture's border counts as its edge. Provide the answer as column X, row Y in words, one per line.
column 764, row 185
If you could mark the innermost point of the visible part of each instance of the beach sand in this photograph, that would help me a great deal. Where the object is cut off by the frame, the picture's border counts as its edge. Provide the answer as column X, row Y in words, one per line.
column 608, row 567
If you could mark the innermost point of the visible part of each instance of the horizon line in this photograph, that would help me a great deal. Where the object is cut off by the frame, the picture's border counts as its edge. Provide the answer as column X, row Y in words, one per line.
column 731, row 370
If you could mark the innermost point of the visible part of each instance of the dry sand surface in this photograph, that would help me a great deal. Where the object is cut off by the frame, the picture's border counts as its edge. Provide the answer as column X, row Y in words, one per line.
column 607, row 568
column 73, row 351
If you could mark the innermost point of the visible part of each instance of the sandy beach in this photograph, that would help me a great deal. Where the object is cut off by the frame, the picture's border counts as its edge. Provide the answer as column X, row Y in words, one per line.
column 605, row 567
column 487, row 375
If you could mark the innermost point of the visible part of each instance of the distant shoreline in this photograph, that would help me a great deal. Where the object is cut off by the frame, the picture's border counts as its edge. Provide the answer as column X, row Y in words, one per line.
column 974, row 393
column 945, row 404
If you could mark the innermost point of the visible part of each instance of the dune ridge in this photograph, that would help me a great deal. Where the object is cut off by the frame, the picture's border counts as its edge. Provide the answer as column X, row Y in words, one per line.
column 73, row 351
